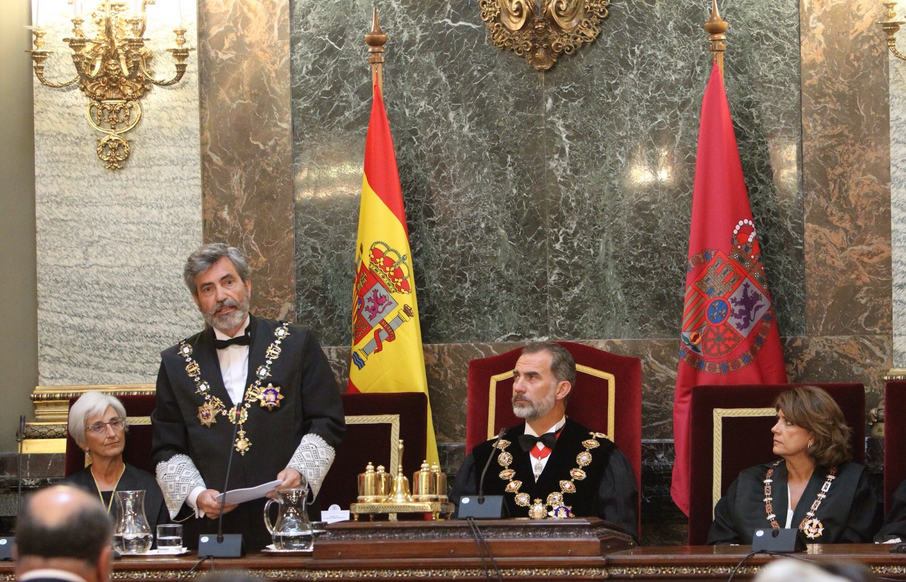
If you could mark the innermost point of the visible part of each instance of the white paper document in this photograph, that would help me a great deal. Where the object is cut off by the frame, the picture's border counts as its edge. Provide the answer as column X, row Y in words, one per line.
column 240, row 495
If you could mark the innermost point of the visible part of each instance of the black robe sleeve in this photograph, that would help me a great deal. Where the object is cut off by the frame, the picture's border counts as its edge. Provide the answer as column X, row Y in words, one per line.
column 618, row 496
column 894, row 528
column 723, row 529
column 865, row 514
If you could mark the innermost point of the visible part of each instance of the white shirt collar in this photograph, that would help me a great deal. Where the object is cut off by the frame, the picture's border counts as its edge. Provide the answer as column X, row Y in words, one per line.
column 222, row 336
column 530, row 431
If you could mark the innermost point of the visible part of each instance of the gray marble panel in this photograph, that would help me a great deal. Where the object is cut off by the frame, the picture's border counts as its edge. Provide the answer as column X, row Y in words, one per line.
column 898, row 204
column 110, row 244
column 540, row 204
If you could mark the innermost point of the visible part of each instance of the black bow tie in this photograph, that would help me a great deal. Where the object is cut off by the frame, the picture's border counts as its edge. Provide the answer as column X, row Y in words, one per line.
column 527, row 441
column 239, row 340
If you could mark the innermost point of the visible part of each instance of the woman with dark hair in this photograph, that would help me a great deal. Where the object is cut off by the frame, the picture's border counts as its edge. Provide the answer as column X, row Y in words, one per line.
column 813, row 486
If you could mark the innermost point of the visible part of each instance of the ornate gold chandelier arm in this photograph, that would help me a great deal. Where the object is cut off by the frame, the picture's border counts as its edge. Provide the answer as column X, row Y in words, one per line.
column 39, row 56
column 891, row 26
column 180, row 54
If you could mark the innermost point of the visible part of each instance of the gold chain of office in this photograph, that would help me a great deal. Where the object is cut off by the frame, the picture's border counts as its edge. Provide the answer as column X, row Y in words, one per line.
column 269, row 396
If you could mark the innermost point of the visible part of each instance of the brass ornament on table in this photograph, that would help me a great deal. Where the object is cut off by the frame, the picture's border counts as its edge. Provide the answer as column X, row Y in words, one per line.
column 112, row 70
column 542, row 30
column 376, row 495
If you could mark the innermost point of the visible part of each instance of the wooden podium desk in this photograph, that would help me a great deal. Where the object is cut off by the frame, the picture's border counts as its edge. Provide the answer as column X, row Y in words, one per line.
column 552, row 550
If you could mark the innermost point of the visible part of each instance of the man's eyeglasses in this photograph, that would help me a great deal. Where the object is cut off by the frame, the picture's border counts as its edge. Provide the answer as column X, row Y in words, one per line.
column 115, row 423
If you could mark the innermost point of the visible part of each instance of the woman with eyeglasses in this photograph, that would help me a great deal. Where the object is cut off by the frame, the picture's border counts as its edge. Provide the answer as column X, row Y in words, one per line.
column 97, row 422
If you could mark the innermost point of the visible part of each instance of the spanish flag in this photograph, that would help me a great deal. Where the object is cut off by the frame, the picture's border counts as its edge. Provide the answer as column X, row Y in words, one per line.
column 387, row 351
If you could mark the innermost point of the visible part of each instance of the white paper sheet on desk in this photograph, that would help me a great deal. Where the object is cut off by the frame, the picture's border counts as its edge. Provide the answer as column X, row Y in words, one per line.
column 249, row 493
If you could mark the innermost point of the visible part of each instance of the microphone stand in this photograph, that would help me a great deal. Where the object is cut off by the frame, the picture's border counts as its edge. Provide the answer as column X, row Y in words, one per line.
column 224, row 545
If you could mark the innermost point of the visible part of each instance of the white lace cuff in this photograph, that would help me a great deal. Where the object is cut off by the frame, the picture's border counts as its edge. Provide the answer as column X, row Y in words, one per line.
column 312, row 460
column 177, row 477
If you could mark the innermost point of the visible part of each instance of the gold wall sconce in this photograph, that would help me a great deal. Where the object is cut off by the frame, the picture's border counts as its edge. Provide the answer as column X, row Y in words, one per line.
column 542, row 30
column 112, row 69
column 891, row 26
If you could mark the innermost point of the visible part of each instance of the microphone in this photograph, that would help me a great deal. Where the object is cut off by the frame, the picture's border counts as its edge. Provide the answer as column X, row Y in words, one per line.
column 482, row 506
column 224, row 545
column 485, row 470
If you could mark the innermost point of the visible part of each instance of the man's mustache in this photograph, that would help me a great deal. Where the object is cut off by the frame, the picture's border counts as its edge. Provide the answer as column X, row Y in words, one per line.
column 221, row 304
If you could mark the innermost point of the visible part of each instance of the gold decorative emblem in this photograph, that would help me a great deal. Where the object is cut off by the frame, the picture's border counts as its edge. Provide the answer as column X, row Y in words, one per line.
column 555, row 498
column 561, row 512
column 505, row 459
column 207, row 414
column 203, row 388
column 185, row 350
column 583, row 459
column 567, row 486
column 591, row 444
column 513, row 486
column 577, row 474
column 270, row 397
column 507, row 474
column 522, row 499
column 273, row 352
column 192, row 369
column 238, row 415
column 242, row 443
column 502, row 444
column 537, row 510
column 813, row 528
column 542, row 30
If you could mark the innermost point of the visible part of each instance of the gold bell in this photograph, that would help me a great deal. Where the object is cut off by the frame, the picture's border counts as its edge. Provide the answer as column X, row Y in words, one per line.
column 400, row 492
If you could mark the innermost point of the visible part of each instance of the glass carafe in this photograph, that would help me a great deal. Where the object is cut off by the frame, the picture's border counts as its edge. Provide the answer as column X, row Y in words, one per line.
column 131, row 531
column 292, row 530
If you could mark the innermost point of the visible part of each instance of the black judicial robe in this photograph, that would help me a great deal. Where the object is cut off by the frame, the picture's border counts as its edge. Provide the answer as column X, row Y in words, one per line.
column 608, row 491
column 311, row 404
column 133, row 479
column 851, row 512
column 894, row 528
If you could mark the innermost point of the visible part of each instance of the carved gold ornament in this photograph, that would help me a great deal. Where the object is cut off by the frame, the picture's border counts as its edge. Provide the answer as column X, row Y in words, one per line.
column 542, row 30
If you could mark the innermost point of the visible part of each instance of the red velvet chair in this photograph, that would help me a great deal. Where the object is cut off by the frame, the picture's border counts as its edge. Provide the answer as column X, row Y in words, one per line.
column 894, row 438
column 607, row 398
column 731, row 431
column 375, row 423
column 138, row 440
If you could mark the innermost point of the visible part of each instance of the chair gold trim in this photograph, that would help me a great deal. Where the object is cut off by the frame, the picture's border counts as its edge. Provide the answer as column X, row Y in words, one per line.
column 394, row 421
column 611, row 397
column 718, row 414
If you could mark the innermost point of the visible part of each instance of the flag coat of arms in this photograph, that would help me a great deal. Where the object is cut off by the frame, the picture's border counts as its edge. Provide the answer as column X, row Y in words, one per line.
column 387, row 354
column 729, row 332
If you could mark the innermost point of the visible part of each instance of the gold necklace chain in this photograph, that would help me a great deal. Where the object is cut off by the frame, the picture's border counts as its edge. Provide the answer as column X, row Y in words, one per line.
column 553, row 506
column 812, row 526
column 269, row 396
column 98, row 487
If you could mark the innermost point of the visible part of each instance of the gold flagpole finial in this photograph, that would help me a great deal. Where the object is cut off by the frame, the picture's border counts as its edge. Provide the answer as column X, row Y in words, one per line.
column 716, row 27
column 375, row 40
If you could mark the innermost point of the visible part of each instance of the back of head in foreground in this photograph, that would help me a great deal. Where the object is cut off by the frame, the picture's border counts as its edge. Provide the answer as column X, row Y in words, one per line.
column 64, row 528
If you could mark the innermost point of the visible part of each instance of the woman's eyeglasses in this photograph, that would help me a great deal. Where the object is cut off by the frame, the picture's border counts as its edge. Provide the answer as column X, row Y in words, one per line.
column 115, row 423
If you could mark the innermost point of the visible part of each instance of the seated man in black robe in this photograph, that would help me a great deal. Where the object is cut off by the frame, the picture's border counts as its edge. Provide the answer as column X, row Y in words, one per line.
column 551, row 466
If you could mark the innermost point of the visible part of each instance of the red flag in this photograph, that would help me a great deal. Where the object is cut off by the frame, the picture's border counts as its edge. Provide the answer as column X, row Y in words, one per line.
column 729, row 332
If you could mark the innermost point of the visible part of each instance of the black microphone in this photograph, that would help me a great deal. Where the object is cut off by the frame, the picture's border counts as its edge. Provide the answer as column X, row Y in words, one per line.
column 229, row 545
column 486, row 465
column 483, row 507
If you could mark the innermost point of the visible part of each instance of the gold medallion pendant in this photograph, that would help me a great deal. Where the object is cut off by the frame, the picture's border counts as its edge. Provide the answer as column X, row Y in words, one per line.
column 270, row 397
column 813, row 528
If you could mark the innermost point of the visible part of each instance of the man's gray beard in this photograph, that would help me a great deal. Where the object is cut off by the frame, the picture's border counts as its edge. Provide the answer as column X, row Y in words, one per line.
column 229, row 321
column 535, row 410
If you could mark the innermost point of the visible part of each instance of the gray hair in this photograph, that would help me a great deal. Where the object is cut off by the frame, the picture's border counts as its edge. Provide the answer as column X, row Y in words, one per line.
column 202, row 260
column 90, row 404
